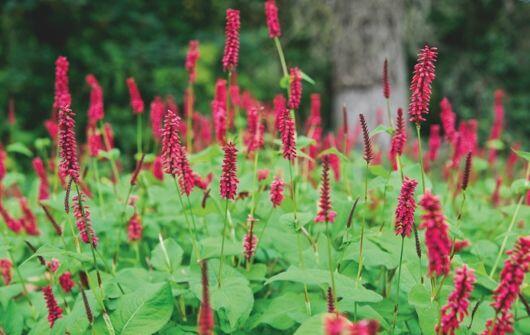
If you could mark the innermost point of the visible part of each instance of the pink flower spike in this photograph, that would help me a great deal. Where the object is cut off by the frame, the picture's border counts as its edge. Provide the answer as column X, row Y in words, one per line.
column 404, row 218
column 66, row 282
column 54, row 311
column 191, row 59
column 276, row 191
column 295, row 88
column 229, row 182
column 231, row 51
column 137, row 104
column 156, row 116
column 325, row 214
column 62, row 98
column 273, row 23
column 435, row 142
column 69, row 165
column 420, row 86
column 95, row 109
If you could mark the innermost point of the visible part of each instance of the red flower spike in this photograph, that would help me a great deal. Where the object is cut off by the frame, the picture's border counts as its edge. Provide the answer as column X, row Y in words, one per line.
column 205, row 322
column 83, row 221
column 273, row 23
column 185, row 174
column 52, row 128
column 420, row 86
column 53, row 265
column 506, row 293
column 436, row 235
column 54, row 311
column 95, row 109
column 137, row 104
column 62, row 98
column 295, row 88
column 11, row 223
column 276, row 191
column 458, row 302
column 219, row 113
column 231, row 51
column 368, row 153
column 288, row 136
column 330, row 300
column 467, row 171
column 158, row 172
column 69, row 165
column 156, row 116
column 44, row 185
column 135, row 228
column 28, row 220
column 5, row 270
column 325, row 214
column 191, row 59
column 171, row 146
column 66, row 282
column 334, row 324
column 250, row 241
column 263, row 174
column 404, row 217
column 200, row 182
column 95, row 141
column 229, row 182
column 435, row 142
column 399, row 139
column 279, row 105
column 108, row 132
column 386, row 82
column 448, row 120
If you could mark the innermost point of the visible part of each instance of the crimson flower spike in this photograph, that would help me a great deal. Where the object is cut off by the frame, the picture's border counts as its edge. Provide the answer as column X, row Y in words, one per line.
column 170, row 142
column 420, row 86
column 435, row 141
column 295, row 88
column 386, row 82
column 205, row 322
column 156, row 116
column 276, row 191
column 62, row 96
column 44, row 185
column 458, row 302
column 273, row 23
column 506, row 293
column 137, row 104
column 448, row 118
column 231, row 51
column 250, row 241
column 185, row 174
column 288, row 132
column 436, row 235
column 83, row 221
column 399, row 138
column 368, row 153
column 54, row 311
column 69, row 165
column 95, row 109
column 191, row 59
column 229, row 182
column 325, row 214
column 404, row 217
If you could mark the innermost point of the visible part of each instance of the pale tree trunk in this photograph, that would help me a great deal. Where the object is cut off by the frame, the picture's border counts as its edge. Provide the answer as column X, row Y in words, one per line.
column 365, row 32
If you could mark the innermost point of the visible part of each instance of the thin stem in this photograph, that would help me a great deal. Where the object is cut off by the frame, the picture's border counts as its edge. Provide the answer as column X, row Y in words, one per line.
column 396, row 309
column 139, row 134
column 330, row 261
column 281, row 55
column 388, row 114
column 512, row 223
column 189, row 114
column 363, row 224
column 421, row 157
column 193, row 236
column 96, row 177
column 221, row 258
column 256, row 158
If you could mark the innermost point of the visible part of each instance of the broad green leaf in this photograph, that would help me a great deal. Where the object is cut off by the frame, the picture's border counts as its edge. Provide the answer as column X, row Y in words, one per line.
column 76, row 321
column 144, row 311
column 167, row 256
column 19, row 148
column 11, row 320
column 381, row 129
column 280, row 312
column 495, row 144
column 428, row 312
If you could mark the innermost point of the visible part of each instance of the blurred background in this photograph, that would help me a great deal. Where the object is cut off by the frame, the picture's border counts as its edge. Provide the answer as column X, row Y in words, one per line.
column 483, row 45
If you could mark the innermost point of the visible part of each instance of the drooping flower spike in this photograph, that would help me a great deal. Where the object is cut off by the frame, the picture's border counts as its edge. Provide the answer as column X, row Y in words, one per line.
column 420, row 86
column 54, row 311
column 83, row 221
column 250, row 241
column 325, row 213
column 288, row 133
column 273, row 23
column 5, row 270
column 435, row 142
column 231, row 51
column 404, row 217
column 44, row 185
column 457, row 305
column 229, row 182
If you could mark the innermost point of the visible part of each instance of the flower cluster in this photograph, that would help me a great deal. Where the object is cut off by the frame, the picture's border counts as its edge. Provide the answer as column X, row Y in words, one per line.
column 250, row 241
column 83, row 221
column 54, row 311
column 66, row 282
column 135, row 228
column 156, row 116
column 448, row 118
column 137, row 104
column 5, row 270
column 219, row 112
column 276, row 191
column 95, row 109
column 228, row 183
column 399, row 138
column 295, row 88
column 44, row 185
column 69, row 165
column 325, row 214
column 62, row 96
column 273, row 23
column 191, row 59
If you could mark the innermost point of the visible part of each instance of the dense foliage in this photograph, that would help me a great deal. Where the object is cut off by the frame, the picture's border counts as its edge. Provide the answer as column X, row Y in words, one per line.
column 256, row 221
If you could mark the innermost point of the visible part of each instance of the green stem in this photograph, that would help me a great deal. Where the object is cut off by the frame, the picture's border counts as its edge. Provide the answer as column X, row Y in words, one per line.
column 512, row 224
column 96, row 177
column 388, row 114
column 421, row 157
column 330, row 261
column 189, row 115
column 360, row 261
column 191, row 232
column 396, row 309
column 221, row 258
column 139, row 134
column 281, row 55
column 256, row 187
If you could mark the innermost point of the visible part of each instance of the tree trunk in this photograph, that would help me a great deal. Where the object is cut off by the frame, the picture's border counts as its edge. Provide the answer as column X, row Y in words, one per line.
column 365, row 33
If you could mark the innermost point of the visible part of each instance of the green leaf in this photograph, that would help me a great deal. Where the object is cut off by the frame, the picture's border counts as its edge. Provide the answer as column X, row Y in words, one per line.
column 144, row 311
column 19, row 148
column 307, row 78
column 427, row 311
column 304, row 141
column 166, row 256
column 76, row 321
column 281, row 312
column 333, row 151
column 495, row 144
column 523, row 154
column 381, row 129
column 284, row 82
column 42, row 143
column 11, row 320
column 312, row 326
